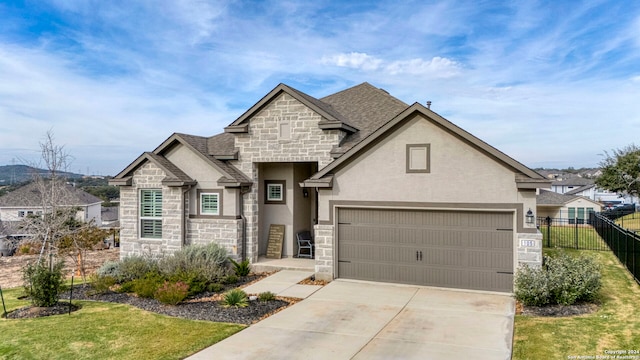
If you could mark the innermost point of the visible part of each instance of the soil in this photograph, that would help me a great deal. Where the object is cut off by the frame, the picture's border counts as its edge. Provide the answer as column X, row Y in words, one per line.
column 11, row 266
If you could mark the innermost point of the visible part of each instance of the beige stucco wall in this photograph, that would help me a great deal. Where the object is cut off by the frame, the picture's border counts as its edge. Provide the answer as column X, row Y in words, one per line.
column 459, row 173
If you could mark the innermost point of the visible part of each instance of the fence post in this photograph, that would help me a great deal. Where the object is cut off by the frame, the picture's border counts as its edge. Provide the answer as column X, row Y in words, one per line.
column 576, row 233
column 548, row 231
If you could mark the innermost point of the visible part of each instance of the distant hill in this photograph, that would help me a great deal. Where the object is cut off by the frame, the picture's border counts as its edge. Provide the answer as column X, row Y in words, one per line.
column 12, row 174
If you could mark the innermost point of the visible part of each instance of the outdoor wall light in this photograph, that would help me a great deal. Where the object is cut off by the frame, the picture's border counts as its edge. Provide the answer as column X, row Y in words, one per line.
column 305, row 192
column 530, row 217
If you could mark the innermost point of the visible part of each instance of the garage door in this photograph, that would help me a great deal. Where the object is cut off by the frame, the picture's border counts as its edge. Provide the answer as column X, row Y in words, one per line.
column 459, row 249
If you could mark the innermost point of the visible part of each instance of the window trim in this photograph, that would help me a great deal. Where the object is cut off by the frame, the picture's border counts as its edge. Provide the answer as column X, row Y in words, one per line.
column 202, row 192
column 427, row 148
column 142, row 218
column 282, row 184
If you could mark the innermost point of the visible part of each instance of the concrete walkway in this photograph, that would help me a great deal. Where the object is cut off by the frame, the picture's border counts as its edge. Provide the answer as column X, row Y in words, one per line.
column 362, row 320
column 284, row 283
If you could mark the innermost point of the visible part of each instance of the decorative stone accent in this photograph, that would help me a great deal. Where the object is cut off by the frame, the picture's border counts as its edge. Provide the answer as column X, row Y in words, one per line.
column 304, row 141
column 224, row 232
column 529, row 249
column 324, row 251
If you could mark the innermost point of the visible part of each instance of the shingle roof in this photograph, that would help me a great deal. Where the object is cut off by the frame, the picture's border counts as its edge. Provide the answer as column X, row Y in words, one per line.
column 221, row 144
column 580, row 189
column 553, row 198
column 367, row 108
column 573, row 182
column 30, row 196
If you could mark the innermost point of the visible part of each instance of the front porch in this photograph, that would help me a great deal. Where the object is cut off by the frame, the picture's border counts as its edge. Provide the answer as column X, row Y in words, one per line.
column 265, row 264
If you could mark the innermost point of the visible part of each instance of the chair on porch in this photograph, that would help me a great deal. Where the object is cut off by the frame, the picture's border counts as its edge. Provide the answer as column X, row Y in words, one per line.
column 305, row 244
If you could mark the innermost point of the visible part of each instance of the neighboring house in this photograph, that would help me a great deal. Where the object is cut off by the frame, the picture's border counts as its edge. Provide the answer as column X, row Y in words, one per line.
column 391, row 192
column 565, row 206
column 27, row 200
column 562, row 186
column 110, row 217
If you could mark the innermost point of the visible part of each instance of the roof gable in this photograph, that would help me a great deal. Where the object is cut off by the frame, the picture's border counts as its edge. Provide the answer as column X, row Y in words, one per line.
column 173, row 175
column 551, row 198
column 333, row 119
column 525, row 175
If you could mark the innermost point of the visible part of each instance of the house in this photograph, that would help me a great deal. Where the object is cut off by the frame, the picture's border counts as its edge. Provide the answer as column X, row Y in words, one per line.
column 574, row 208
column 27, row 200
column 391, row 192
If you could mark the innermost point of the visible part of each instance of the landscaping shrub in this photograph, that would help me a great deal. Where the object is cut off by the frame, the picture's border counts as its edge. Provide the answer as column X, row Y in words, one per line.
column 242, row 268
column 230, row 279
column 564, row 280
column 28, row 248
column 127, row 287
column 147, row 286
column 266, row 296
column 235, row 297
column 135, row 267
column 101, row 284
column 196, row 282
column 109, row 268
column 172, row 293
column 43, row 284
column 206, row 260
column 532, row 286
column 215, row 287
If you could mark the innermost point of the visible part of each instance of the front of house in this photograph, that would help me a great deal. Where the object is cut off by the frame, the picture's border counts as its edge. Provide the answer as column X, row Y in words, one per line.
column 390, row 192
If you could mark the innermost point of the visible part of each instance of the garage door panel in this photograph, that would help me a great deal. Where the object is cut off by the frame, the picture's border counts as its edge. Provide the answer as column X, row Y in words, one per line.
column 461, row 249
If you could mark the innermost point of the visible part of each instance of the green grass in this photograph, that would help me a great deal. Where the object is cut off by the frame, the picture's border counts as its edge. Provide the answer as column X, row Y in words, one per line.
column 615, row 326
column 565, row 236
column 630, row 222
column 105, row 331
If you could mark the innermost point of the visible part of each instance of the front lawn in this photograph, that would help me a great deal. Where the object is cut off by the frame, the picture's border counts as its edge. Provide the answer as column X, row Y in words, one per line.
column 105, row 331
column 630, row 222
column 615, row 326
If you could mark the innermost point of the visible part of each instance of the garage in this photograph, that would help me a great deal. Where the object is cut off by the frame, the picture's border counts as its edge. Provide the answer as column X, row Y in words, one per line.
column 457, row 249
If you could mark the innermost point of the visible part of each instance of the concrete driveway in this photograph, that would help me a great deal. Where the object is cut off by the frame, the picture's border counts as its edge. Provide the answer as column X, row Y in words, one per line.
column 358, row 320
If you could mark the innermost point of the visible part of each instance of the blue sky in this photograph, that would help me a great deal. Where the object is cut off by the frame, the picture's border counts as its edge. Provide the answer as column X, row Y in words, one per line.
column 550, row 83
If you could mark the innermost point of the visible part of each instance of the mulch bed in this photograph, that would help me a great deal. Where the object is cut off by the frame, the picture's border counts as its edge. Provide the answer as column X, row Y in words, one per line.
column 556, row 310
column 205, row 306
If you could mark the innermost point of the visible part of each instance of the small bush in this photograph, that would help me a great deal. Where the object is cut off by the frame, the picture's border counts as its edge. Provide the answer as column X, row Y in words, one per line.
column 564, row 280
column 127, row 287
column 146, row 287
column 196, row 282
column 44, row 285
column 266, row 296
column 236, row 298
column 28, row 248
column 242, row 268
column 135, row 267
column 101, row 284
column 230, row 279
column 172, row 293
column 109, row 268
column 215, row 287
column 532, row 287
column 202, row 259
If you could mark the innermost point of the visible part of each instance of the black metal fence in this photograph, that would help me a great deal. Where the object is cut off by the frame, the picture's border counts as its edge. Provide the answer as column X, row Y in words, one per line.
column 624, row 243
column 570, row 233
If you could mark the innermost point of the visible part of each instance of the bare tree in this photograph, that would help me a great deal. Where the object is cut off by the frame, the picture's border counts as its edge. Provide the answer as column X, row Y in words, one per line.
column 54, row 220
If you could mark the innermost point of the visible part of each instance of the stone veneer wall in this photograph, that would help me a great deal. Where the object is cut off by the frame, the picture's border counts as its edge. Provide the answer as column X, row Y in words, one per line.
column 307, row 143
column 529, row 249
column 150, row 176
column 324, row 251
column 224, row 232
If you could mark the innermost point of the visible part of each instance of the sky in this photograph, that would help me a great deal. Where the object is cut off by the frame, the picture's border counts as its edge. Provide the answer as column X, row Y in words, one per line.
column 550, row 83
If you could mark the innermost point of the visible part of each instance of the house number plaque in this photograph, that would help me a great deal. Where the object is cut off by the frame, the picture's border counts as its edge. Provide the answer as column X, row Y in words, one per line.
column 274, row 244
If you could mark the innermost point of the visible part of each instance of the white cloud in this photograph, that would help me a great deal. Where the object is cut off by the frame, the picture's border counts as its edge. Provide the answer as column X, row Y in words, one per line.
column 353, row 60
column 437, row 67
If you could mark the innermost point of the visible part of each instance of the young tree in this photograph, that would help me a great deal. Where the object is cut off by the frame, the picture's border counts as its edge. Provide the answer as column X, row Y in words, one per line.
column 51, row 222
column 621, row 171
column 75, row 245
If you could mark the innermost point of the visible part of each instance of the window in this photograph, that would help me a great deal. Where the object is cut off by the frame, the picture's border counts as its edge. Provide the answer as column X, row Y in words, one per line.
column 151, row 214
column 418, row 158
column 209, row 203
column 275, row 192
column 21, row 213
